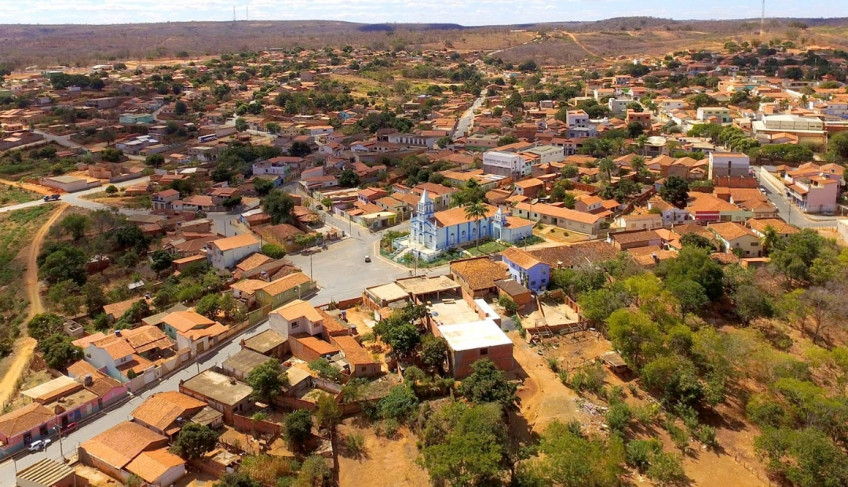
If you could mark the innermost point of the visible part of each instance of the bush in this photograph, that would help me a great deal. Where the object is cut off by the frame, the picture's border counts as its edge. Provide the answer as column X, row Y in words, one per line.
column 618, row 418
column 707, row 435
column 273, row 251
column 666, row 469
column 589, row 377
column 641, row 452
column 355, row 444
column 508, row 305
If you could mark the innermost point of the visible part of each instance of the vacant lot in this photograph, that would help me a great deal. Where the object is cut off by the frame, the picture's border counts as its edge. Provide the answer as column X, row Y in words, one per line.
column 384, row 461
column 13, row 195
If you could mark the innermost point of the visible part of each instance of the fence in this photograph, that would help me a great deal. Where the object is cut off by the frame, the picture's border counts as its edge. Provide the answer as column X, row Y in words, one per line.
column 243, row 423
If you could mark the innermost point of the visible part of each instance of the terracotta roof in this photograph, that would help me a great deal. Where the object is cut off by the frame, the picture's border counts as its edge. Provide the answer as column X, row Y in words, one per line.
column 24, row 419
column 731, row 230
column 146, row 338
column 186, row 320
column 297, row 309
column 253, row 261
column 235, row 242
column 320, row 347
column 286, row 283
column 115, row 346
column 520, row 257
column 560, row 212
column 703, row 202
column 479, row 273
column 214, row 330
column 632, row 237
column 780, row 226
column 151, row 465
column 575, row 255
column 353, row 351
column 86, row 340
column 162, row 409
column 456, row 216
column 249, row 286
column 118, row 445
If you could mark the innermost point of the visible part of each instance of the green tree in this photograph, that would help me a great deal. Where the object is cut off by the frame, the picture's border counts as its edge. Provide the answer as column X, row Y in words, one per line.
column 675, row 191
column 348, row 178
column 241, row 124
column 328, row 413
column 111, row 189
column 314, row 472
column 690, row 295
column 64, row 264
column 606, row 166
column 262, row 186
column 299, row 149
column 398, row 404
column 433, row 350
column 59, row 352
column 400, row 330
column 44, row 325
column 465, row 445
column 267, row 381
column 694, row 264
column 487, row 383
column 236, row 479
column 180, row 108
column 194, row 441
column 278, row 205
column 95, row 299
column 635, row 335
column 695, row 240
column 572, row 460
column 274, row 251
column 208, row 306
column 476, row 211
column 161, row 260
column 298, row 426
column 155, row 160
column 75, row 225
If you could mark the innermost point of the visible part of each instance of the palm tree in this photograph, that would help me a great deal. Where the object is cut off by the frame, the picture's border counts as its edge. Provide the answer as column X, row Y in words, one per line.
column 607, row 166
column 475, row 211
column 771, row 240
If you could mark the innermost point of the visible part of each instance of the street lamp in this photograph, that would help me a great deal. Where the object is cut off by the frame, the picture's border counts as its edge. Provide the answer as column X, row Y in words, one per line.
column 61, row 449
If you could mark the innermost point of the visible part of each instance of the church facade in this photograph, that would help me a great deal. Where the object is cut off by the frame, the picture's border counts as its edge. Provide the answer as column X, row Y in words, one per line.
column 431, row 232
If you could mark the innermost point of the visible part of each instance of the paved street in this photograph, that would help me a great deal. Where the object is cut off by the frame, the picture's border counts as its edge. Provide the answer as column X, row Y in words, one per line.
column 789, row 212
column 76, row 199
column 467, row 118
column 63, row 140
column 102, row 422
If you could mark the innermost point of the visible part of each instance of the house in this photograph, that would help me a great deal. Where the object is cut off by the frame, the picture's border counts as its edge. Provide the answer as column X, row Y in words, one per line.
column 115, row 451
column 670, row 214
column 107, row 389
column 162, row 199
column 507, row 164
column 24, row 425
column 222, row 393
column 433, row 232
column 477, row 276
column 571, row 220
column 728, row 164
column 529, row 188
column 193, row 331
column 47, row 473
column 640, row 220
column 526, row 269
column 760, row 227
column 309, row 348
column 68, row 398
column 814, row 194
column 296, row 318
column 226, row 252
column 285, row 289
column 68, row 184
column 242, row 362
column 360, row 362
column 470, row 342
column 127, row 353
column 166, row 412
column 634, row 239
column 268, row 343
column 721, row 114
column 736, row 238
column 515, row 291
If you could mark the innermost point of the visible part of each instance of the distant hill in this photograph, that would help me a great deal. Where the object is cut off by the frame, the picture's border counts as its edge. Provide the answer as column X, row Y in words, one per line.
column 49, row 45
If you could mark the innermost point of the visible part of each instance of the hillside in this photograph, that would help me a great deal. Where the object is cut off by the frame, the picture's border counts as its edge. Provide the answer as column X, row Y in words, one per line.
column 49, row 45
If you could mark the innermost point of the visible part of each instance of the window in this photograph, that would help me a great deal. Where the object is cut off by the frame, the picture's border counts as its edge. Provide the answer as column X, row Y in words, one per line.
column 484, row 351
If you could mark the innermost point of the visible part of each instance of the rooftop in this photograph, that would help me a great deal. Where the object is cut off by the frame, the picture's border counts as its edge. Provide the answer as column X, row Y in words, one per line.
column 218, row 387
column 163, row 409
column 118, row 445
column 474, row 335
column 238, row 241
column 264, row 342
column 244, row 361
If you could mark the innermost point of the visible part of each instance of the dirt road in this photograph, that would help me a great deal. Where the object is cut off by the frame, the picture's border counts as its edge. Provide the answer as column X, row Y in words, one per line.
column 577, row 41
column 25, row 346
column 543, row 396
column 31, row 187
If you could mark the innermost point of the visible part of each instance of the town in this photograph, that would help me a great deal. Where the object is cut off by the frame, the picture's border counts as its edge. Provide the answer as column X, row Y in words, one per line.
column 292, row 266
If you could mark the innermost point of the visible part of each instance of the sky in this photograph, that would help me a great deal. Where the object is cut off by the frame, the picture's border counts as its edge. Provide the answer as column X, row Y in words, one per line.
column 477, row 12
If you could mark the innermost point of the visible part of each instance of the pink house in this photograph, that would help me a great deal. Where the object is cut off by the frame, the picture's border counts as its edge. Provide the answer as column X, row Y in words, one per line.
column 815, row 194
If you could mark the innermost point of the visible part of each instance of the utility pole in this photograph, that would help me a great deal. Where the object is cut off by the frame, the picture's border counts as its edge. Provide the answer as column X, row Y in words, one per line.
column 763, row 20
column 61, row 449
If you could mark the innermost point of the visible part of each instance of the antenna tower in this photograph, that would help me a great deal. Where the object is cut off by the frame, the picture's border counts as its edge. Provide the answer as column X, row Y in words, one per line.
column 763, row 20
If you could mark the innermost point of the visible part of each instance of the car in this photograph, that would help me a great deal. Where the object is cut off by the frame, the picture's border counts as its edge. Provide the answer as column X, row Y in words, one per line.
column 39, row 445
column 69, row 427
column 367, row 259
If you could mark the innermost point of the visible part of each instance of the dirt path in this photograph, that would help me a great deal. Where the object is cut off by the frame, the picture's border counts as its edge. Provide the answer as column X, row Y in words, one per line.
column 25, row 346
column 577, row 41
column 31, row 187
column 543, row 396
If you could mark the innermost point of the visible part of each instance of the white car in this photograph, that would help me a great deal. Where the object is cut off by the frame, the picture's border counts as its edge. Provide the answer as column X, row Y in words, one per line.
column 39, row 445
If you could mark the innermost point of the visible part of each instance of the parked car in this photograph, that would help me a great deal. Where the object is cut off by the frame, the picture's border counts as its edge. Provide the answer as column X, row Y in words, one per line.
column 367, row 259
column 52, row 197
column 39, row 445
column 68, row 428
